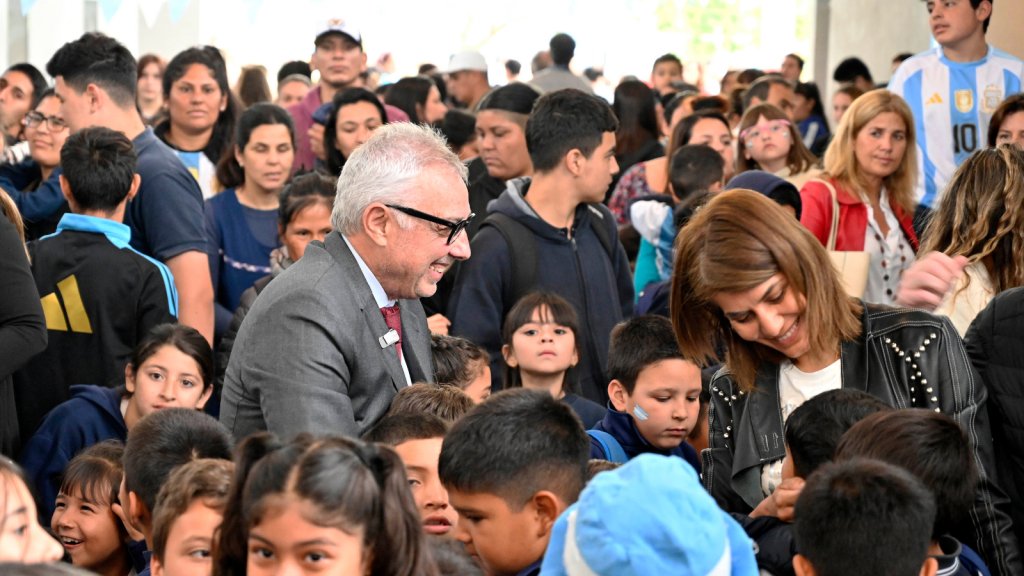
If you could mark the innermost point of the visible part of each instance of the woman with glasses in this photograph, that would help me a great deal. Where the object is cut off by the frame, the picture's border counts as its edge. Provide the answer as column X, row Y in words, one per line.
column 870, row 168
column 201, row 113
column 45, row 131
column 770, row 142
column 241, row 221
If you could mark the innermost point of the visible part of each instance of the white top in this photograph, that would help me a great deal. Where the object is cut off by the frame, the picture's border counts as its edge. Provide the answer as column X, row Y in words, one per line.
column 967, row 300
column 795, row 388
column 891, row 254
column 379, row 296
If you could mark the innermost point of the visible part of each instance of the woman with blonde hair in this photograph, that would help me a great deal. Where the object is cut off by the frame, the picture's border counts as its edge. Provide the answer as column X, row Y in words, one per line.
column 749, row 277
column 981, row 217
column 770, row 142
column 870, row 169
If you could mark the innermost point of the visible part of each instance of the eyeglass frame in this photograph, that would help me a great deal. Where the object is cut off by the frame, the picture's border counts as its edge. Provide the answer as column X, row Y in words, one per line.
column 754, row 132
column 41, row 118
column 456, row 227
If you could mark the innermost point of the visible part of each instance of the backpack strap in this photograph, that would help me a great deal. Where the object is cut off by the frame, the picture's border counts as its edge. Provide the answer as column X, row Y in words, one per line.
column 523, row 248
column 604, row 235
column 611, row 448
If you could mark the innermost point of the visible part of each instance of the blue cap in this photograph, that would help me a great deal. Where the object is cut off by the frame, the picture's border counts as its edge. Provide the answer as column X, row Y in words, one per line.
column 781, row 191
column 651, row 516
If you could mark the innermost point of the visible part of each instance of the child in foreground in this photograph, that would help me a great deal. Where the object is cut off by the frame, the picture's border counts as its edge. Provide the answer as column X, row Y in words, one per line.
column 333, row 504
column 511, row 467
column 84, row 520
column 189, row 510
column 933, row 448
column 417, row 438
column 172, row 367
column 864, row 517
column 675, row 528
column 541, row 349
column 654, row 394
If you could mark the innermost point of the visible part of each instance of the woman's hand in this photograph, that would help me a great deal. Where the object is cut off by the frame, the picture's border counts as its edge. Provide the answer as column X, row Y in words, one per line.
column 927, row 282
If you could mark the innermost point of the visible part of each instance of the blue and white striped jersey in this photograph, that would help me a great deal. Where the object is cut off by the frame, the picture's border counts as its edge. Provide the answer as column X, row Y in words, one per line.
column 952, row 103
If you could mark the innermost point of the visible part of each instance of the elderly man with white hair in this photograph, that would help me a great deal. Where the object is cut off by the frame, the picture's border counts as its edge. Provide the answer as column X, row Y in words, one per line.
column 330, row 341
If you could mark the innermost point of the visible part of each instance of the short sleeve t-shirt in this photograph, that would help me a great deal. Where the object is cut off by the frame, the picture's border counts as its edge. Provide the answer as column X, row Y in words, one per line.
column 166, row 215
column 795, row 388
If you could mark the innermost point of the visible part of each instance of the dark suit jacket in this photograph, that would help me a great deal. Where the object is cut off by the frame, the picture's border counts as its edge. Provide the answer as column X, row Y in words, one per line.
column 307, row 357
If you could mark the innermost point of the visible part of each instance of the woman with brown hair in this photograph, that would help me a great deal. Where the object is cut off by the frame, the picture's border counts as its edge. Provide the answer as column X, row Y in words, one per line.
column 981, row 217
column 870, row 169
column 770, row 142
column 749, row 276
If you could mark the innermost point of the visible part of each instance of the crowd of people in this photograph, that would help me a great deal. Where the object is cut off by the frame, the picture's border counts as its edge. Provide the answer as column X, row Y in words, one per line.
column 437, row 327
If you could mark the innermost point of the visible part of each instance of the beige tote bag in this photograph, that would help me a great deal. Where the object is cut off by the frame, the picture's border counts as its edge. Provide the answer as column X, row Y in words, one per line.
column 852, row 266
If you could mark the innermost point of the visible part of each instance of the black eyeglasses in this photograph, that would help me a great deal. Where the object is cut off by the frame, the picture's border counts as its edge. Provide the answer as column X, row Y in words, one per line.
column 34, row 119
column 455, row 227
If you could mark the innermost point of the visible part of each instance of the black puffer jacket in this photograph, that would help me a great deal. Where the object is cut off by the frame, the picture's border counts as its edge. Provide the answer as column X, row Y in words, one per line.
column 907, row 358
column 995, row 343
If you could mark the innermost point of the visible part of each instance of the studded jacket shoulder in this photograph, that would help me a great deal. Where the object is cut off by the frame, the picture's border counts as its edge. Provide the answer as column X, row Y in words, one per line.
column 907, row 358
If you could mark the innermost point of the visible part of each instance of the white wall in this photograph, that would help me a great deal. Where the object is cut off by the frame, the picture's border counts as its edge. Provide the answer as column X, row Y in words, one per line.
column 874, row 31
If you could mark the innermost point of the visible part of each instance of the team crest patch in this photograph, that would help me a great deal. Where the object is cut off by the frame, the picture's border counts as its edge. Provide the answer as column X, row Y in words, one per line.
column 964, row 100
column 993, row 96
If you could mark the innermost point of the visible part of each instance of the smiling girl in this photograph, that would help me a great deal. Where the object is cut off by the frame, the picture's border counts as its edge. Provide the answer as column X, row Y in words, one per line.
column 170, row 368
column 84, row 520
column 541, row 351
column 329, row 506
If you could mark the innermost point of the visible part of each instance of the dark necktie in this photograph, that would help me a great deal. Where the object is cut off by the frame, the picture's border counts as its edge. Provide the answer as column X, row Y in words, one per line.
column 393, row 318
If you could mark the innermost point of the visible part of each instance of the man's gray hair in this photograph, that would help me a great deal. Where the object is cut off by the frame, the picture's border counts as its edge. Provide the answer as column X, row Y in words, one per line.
column 384, row 169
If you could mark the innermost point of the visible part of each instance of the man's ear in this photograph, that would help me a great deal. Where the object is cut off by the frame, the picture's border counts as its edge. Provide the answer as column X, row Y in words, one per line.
column 377, row 223
column 930, row 567
column 574, row 161
column 96, row 96
column 802, row 566
column 547, row 507
column 617, row 395
column 136, row 182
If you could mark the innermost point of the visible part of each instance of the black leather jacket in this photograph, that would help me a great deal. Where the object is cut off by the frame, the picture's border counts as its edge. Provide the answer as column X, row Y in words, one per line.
column 907, row 358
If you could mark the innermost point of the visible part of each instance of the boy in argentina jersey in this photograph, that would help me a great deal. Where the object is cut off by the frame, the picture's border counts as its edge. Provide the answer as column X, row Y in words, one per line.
column 953, row 90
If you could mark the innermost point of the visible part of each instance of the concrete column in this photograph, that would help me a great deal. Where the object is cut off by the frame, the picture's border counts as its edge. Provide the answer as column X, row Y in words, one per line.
column 1005, row 27
column 874, row 31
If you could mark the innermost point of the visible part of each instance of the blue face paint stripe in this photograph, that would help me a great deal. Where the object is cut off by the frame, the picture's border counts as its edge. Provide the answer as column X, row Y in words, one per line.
column 640, row 413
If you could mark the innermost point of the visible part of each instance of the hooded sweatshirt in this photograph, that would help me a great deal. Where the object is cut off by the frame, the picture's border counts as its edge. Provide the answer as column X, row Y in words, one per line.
column 575, row 266
column 92, row 415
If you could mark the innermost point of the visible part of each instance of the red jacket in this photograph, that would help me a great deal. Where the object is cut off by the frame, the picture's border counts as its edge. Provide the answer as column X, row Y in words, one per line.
column 816, row 216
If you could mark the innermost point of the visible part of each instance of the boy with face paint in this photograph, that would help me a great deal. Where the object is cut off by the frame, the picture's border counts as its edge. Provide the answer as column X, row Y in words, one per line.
column 654, row 394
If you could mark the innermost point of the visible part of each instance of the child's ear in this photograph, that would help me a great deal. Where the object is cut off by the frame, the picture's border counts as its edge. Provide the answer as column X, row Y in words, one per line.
column 129, row 378
column 138, row 513
column 204, row 398
column 931, row 566
column 509, row 356
column 547, row 507
column 617, row 395
column 155, row 568
column 802, row 566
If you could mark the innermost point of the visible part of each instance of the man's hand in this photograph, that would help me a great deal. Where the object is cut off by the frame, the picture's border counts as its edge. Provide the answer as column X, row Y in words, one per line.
column 438, row 324
column 927, row 282
column 782, row 502
column 316, row 141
